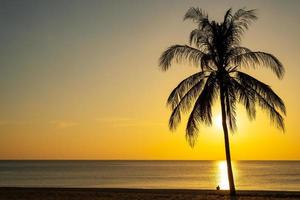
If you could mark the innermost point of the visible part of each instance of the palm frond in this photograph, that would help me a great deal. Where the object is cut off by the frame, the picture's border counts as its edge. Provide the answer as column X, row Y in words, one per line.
column 242, row 14
column 246, row 97
column 261, row 88
column 274, row 115
column 200, row 38
column 180, row 53
column 235, row 51
column 207, row 63
column 183, row 87
column 185, row 104
column 202, row 109
column 227, row 17
column 197, row 15
column 243, row 18
column 232, row 52
column 266, row 98
column 254, row 59
column 235, row 25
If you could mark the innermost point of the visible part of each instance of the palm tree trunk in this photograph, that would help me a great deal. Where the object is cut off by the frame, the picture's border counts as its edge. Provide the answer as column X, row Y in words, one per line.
column 227, row 147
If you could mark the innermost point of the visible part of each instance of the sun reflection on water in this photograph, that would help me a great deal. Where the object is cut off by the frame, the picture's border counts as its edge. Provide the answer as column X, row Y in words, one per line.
column 222, row 175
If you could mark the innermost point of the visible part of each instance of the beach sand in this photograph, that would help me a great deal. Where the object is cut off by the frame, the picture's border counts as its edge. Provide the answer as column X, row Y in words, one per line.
column 135, row 194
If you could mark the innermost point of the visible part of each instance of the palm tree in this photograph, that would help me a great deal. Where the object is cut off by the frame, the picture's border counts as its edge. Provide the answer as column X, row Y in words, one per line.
column 215, row 48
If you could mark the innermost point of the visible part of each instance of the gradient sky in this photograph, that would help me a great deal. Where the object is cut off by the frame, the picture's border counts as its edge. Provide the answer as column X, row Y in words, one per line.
column 80, row 80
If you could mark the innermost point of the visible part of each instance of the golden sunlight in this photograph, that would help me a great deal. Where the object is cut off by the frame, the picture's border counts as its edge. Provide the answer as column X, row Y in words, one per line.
column 222, row 175
column 218, row 121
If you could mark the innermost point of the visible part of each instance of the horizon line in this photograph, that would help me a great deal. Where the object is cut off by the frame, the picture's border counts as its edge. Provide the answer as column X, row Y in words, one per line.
column 143, row 160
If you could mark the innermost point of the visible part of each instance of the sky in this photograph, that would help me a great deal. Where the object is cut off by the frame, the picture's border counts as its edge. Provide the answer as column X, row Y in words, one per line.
column 80, row 80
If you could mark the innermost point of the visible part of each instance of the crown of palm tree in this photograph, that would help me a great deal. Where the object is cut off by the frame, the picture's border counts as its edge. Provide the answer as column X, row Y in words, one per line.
column 215, row 48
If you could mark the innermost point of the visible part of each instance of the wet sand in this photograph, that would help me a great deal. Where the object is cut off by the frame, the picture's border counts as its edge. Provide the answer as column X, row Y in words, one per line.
column 9, row 193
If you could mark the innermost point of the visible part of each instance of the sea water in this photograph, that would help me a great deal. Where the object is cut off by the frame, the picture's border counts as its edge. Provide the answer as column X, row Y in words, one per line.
column 249, row 175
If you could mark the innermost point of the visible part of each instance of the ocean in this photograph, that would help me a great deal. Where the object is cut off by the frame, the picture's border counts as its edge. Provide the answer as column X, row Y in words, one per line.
column 249, row 175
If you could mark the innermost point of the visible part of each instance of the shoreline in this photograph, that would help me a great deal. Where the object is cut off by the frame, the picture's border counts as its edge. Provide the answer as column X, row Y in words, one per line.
column 47, row 193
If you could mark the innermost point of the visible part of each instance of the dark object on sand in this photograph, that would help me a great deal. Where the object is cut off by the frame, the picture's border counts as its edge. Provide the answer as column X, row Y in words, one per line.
column 218, row 187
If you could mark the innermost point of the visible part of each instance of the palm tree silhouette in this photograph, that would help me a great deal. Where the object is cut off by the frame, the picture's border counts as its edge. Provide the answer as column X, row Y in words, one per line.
column 215, row 49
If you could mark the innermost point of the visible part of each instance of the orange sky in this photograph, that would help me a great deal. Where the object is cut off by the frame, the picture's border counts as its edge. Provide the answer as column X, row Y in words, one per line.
column 80, row 80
